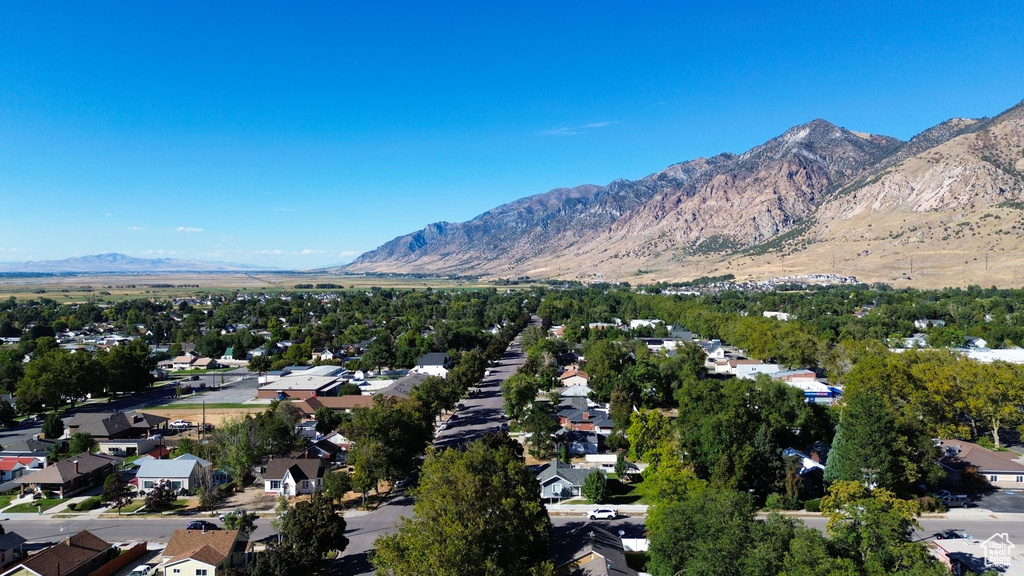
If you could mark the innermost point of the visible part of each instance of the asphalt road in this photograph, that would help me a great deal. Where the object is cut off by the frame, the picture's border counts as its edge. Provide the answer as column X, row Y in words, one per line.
column 481, row 414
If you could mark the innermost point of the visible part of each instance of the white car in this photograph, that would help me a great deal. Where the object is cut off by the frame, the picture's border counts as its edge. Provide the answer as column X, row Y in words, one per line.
column 181, row 424
column 605, row 513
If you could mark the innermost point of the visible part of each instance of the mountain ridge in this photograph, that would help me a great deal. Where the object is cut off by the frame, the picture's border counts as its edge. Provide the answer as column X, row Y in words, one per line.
column 121, row 263
column 783, row 199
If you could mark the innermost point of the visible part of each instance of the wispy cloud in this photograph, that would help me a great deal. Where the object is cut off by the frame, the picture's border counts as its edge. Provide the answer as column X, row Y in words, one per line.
column 135, row 228
column 309, row 251
column 573, row 130
column 187, row 229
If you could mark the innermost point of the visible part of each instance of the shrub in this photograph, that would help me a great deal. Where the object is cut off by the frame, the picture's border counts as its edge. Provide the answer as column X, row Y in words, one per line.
column 931, row 504
column 72, row 506
column 813, row 505
column 775, row 501
column 90, row 503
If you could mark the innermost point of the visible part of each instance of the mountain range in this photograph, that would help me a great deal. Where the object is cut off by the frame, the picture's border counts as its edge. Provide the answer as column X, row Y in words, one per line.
column 944, row 208
column 119, row 263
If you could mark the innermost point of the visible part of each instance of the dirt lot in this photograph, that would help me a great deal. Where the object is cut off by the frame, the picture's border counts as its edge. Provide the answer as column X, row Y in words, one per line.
column 213, row 415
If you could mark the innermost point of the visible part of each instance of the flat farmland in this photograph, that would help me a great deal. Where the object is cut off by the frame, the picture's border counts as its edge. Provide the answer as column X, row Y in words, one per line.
column 117, row 287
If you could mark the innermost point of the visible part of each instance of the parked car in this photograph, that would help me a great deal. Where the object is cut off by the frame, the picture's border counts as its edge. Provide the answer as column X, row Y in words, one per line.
column 957, row 501
column 953, row 500
column 605, row 513
column 202, row 525
column 953, row 535
column 143, row 570
column 181, row 424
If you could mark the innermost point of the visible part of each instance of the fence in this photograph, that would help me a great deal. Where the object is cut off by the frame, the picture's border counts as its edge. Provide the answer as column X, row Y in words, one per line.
column 127, row 557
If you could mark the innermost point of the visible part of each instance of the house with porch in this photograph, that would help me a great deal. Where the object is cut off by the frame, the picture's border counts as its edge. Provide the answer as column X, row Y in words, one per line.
column 559, row 480
column 294, row 476
column 69, row 477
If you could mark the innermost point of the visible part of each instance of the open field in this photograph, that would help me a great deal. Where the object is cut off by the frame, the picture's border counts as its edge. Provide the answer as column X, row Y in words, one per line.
column 116, row 287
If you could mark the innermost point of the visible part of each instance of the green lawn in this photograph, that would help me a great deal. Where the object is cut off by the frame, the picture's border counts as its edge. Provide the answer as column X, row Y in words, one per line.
column 135, row 505
column 619, row 493
column 5, row 500
column 46, row 504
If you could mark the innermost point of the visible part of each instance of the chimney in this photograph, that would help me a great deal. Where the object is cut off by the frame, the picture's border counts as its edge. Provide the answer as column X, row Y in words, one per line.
column 75, row 462
column 586, row 415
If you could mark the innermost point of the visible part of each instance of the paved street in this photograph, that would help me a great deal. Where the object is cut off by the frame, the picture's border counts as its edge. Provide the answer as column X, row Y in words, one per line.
column 480, row 415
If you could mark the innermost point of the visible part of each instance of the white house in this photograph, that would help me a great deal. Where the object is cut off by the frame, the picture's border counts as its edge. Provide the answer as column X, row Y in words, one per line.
column 294, row 476
column 783, row 316
column 574, row 377
column 926, row 323
column 749, row 369
column 203, row 552
column 434, row 364
column 975, row 342
column 634, row 324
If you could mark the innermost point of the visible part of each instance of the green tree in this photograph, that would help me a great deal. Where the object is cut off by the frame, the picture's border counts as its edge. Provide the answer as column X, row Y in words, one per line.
column 595, row 487
column 58, row 377
column 117, row 492
column 540, row 424
column 387, row 438
column 327, row 420
column 518, row 391
column 706, row 535
column 161, row 496
column 314, row 526
column 7, row 413
column 244, row 522
column 649, row 429
column 336, row 485
column 868, row 447
column 467, row 505
column 81, row 442
column 53, row 426
column 260, row 364
column 128, row 367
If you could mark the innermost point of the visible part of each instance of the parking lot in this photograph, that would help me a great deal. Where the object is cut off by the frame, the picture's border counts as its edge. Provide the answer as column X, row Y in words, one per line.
column 999, row 500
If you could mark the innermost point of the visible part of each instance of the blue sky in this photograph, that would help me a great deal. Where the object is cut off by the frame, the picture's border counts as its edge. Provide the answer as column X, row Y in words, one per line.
column 297, row 135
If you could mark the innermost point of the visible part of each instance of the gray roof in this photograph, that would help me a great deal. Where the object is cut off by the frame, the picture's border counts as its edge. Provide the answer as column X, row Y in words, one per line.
column 10, row 541
column 202, row 462
column 572, row 553
column 402, row 387
column 434, row 359
column 64, row 471
column 177, row 468
column 558, row 469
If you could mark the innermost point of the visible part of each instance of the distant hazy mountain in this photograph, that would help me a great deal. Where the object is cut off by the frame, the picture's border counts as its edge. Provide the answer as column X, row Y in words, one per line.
column 818, row 198
column 122, row 263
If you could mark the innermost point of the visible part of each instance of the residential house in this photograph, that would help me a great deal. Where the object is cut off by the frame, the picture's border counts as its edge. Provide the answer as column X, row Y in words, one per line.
column 557, row 331
column 580, row 442
column 574, row 377
column 634, row 324
column 69, row 477
column 962, row 460
column 294, row 476
column 926, row 323
column 78, row 555
column 204, row 364
column 918, row 340
column 343, row 404
column 713, row 349
column 783, row 316
column 10, row 547
column 183, row 473
column 749, row 369
column 560, row 480
column 204, row 552
column 117, row 425
column 578, row 415
column 434, row 364
column 975, row 342
column 657, row 345
column 589, row 550
column 324, row 450
column 323, row 354
column 183, row 362
column 12, row 467
column 402, row 387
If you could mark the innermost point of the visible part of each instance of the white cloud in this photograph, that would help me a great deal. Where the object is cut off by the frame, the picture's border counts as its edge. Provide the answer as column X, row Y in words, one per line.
column 187, row 229
column 573, row 130
column 135, row 228
column 309, row 251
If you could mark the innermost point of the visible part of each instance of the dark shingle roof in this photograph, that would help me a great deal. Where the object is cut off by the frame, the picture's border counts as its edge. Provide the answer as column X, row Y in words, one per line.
column 557, row 468
column 589, row 550
column 68, row 555
column 64, row 471
column 300, row 468
column 402, row 387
